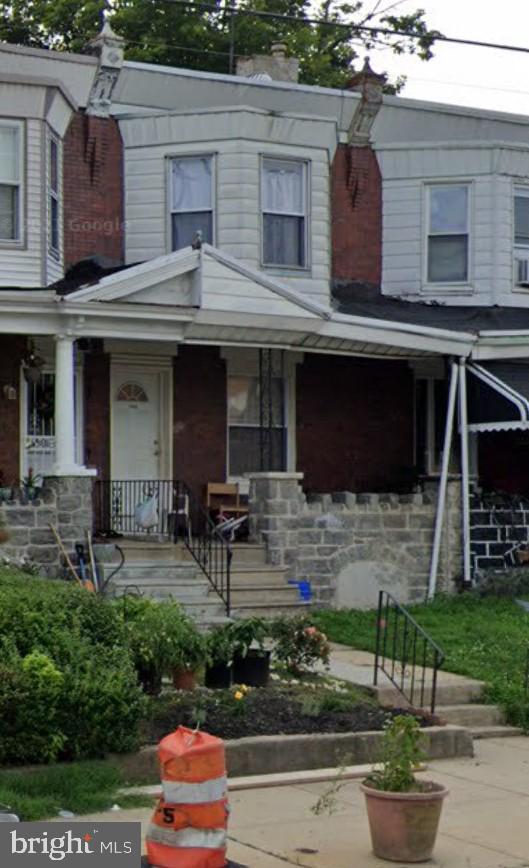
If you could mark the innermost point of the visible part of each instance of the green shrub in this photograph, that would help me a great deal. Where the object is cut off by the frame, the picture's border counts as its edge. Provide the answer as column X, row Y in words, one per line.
column 512, row 582
column 299, row 644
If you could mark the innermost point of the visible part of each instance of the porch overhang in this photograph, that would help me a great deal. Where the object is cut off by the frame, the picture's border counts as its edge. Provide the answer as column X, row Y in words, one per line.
column 498, row 397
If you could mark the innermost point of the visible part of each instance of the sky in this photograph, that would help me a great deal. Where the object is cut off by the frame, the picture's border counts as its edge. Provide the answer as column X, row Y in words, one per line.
column 464, row 75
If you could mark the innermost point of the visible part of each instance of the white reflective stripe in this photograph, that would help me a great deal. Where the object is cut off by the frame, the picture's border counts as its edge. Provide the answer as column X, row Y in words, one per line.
column 207, row 839
column 195, row 794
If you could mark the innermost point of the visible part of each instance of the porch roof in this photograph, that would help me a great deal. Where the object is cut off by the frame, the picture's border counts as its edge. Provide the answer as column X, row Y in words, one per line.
column 498, row 397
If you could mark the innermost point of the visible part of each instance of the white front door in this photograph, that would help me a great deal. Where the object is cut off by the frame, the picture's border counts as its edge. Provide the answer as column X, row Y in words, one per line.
column 136, row 424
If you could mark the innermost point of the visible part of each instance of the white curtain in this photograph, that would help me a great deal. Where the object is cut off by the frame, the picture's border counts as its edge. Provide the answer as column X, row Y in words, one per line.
column 9, row 168
column 283, row 187
column 191, row 187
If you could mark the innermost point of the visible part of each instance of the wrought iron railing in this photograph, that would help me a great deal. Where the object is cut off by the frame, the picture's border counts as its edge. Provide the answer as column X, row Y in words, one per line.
column 406, row 654
column 176, row 514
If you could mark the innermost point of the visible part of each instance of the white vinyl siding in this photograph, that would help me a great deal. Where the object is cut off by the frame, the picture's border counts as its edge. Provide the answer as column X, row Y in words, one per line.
column 236, row 191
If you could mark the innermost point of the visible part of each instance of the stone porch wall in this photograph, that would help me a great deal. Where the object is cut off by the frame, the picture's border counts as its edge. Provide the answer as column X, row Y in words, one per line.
column 349, row 546
column 65, row 502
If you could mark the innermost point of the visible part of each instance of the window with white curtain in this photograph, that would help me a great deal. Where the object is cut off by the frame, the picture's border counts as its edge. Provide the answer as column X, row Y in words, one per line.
column 521, row 235
column 191, row 199
column 10, row 182
column 448, row 233
column 53, row 206
column 284, row 212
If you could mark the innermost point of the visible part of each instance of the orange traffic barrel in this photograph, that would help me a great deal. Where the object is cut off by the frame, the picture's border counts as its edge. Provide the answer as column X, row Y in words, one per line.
column 188, row 827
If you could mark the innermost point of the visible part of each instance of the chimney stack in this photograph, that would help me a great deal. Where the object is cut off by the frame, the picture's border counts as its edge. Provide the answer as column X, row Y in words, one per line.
column 276, row 66
column 371, row 87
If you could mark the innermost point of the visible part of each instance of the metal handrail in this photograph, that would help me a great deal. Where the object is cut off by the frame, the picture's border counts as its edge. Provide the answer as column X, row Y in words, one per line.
column 411, row 648
column 180, row 513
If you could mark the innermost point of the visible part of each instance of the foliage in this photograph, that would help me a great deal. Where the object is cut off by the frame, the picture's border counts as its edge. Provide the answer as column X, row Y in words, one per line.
column 160, row 636
column 199, row 38
column 504, row 583
column 299, row 644
column 486, row 638
column 401, row 753
column 81, row 787
column 247, row 633
column 220, row 645
column 68, row 688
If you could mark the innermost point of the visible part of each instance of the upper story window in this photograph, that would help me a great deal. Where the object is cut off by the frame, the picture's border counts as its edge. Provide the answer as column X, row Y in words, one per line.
column 521, row 235
column 10, row 182
column 54, row 197
column 284, row 208
column 448, row 233
column 191, row 200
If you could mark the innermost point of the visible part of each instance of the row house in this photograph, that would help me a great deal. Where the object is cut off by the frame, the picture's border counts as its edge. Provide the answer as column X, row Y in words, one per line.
column 242, row 279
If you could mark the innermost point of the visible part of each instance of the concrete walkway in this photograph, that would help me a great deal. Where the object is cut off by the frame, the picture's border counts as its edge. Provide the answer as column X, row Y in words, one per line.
column 485, row 822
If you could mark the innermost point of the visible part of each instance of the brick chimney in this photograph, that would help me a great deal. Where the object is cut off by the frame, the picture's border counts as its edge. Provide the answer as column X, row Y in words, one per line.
column 107, row 46
column 275, row 66
column 371, row 87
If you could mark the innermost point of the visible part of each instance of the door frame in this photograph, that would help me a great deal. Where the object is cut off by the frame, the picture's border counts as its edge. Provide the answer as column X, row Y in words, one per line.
column 129, row 365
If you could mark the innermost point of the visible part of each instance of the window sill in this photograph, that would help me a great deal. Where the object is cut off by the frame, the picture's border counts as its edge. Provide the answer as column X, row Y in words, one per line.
column 448, row 289
column 287, row 270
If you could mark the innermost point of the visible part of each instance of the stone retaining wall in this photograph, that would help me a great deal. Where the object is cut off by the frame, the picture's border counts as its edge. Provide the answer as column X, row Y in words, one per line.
column 497, row 531
column 65, row 502
column 349, row 546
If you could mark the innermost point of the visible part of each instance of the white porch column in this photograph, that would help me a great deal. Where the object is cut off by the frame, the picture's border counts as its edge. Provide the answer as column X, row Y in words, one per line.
column 65, row 463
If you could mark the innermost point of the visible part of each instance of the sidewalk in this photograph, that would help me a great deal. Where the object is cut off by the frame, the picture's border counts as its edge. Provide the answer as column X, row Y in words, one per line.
column 485, row 821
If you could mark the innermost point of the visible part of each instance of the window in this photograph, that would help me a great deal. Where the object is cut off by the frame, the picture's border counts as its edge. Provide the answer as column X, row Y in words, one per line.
column 431, row 397
column 521, row 234
column 191, row 200
column 10, row 181
column 53, row 215
column 448, row 208
column 244, row 421
column 284, row 206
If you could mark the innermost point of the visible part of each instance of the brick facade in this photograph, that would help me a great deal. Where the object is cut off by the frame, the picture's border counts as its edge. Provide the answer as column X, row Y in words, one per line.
column 97, row 412
column 354, row 424
column 93, row 189
column 356, row 196
column 11, row 349
column 199, row 421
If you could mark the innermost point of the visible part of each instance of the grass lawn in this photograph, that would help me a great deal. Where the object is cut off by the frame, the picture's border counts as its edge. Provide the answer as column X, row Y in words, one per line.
column 485, row 638
column 81, row 787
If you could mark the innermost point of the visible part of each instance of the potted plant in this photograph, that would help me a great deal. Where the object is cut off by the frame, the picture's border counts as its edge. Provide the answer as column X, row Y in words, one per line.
column 403, row 812
column 251, row 661
column 220, row 650
column 189, row 655
column 299, row 644
column 31, row 485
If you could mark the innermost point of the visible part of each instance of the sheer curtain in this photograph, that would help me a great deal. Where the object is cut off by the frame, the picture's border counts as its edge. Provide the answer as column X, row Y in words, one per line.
column 283, row 212
column 9, row 180
column 191, row 200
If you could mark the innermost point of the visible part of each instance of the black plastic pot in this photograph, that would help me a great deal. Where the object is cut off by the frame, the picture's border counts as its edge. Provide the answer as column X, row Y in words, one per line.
column 151, row 681
column 218, row 676
column 253, row 669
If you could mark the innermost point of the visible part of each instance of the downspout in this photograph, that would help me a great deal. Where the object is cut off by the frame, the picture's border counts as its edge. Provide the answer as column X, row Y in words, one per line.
column 443, row 482
column 465, row 488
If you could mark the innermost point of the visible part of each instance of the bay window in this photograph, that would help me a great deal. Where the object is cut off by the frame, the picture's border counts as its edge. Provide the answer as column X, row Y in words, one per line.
column 191, row 200
column 10, row 182
column 448, row 233
column 284, row 212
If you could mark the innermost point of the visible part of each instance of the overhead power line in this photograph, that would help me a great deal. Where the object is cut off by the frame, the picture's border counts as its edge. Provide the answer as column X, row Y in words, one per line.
column 364, row 28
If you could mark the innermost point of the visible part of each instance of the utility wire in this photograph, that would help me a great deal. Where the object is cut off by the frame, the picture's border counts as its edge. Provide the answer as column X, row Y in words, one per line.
column 437, row 37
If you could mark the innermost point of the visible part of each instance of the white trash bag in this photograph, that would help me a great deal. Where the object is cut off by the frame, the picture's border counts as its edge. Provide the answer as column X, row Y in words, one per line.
column 146, row 513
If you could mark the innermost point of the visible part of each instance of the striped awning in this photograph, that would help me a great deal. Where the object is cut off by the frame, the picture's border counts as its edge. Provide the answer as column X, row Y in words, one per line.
column 498, row 396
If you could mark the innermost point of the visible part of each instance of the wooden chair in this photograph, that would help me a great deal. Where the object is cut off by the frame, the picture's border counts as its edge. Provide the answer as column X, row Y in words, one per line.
column 224, row 498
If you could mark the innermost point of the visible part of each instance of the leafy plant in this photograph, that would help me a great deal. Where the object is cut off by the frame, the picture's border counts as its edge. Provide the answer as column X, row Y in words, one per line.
column 220, row 646
column 401, row 754
column 250, row 631
column 299, row 644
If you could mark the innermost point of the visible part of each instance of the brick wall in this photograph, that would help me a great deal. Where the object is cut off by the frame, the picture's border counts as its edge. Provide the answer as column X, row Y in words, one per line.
column 11, row 349
column 355, row 424
column 499, row 526
column 97, row 412
column 199, row 421
column 93, row 189
column 356, row 215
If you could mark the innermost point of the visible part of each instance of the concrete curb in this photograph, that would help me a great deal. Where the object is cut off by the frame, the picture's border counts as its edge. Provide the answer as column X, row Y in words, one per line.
column 277, row 754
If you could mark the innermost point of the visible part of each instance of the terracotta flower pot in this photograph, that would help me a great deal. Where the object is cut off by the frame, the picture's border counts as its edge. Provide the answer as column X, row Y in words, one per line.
column 404, row 825
column 184, row 679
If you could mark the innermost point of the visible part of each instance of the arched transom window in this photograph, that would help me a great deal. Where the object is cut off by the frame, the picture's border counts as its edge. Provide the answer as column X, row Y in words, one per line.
column 132, row 392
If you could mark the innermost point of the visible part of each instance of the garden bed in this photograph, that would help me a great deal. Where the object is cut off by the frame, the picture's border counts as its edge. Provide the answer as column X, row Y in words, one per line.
column 281, row 709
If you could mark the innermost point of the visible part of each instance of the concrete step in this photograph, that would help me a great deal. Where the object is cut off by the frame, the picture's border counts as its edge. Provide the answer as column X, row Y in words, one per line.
column 253, row 554
column 246, row 594
column 471, row 714
column 269, row 610
column 495, row 731
column 258, row 576
column 248, row 553
column 139, row 570
column 459, row 691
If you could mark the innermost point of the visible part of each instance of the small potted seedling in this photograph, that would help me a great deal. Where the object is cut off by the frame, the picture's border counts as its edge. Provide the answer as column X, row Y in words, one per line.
column 251, row 660
column 219, row 652
column 403, row 812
